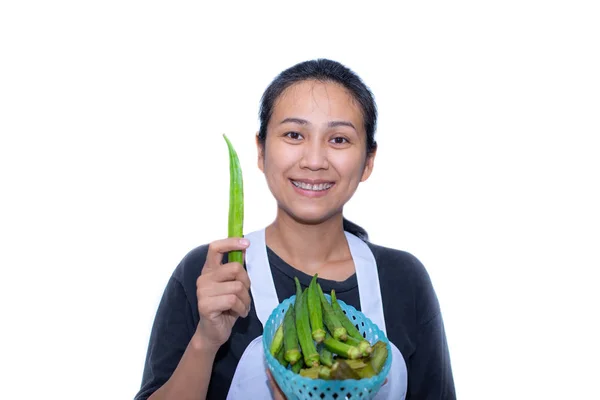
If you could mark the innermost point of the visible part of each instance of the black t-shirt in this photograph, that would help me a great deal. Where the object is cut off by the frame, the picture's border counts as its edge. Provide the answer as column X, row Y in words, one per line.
column 410, row 306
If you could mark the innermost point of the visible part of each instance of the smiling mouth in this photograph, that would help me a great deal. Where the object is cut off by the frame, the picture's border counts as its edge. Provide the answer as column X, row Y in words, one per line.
column 317, row 187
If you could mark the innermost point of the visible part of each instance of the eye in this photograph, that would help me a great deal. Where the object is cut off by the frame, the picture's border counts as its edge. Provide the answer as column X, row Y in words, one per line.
column 340, row 140
column 293, row 135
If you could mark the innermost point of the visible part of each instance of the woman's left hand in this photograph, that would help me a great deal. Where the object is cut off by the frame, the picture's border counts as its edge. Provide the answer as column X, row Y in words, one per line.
column 277, row 393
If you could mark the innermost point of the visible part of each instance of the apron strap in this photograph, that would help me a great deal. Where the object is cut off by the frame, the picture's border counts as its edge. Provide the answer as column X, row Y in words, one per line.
column 262, row 285
column 368, row 280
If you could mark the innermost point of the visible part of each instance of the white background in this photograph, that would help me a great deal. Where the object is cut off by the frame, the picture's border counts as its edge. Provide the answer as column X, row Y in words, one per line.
column 113, row 167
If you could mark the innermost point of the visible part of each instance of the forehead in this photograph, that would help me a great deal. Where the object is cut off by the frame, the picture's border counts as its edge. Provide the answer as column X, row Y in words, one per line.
column 318, row 102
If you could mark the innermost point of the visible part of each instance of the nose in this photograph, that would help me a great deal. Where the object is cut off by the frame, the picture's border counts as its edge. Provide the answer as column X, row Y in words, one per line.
column 314, row 157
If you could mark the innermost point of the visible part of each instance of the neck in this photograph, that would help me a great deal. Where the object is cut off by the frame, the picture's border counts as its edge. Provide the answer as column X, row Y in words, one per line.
column 308, row 247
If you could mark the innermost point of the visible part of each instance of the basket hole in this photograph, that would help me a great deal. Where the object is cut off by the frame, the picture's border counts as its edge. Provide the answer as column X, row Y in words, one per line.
column 348, row 395
column 328, row 389
column 310, row 394
column 342, row 389
column 335, row 396
column 322, row 395
column 362, row 323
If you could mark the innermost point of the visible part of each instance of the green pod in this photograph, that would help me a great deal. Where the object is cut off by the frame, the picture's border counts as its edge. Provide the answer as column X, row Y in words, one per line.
column 309, row 350
column 236, row 202
column 340, row 348
column 298, row 366
column 312, row 372
column 366, row 371
column 342, row 371
column 277, row 342
column 325, row 356
column 378, row 356
column 315, row 311
column 290, row 337
column 330, row 319
column 325, row 372
column 280, row 356
column 363, row 345
column 343, row 318
column 356, row 364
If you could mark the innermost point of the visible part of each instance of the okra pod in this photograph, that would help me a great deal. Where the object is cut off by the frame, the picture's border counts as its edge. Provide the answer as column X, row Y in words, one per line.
column 341, row 371
column 343, row 318
column 356, row 364
column 379, row 356
column 277, row 342
column 325, row 356
column 324, row 372
column 330, row 319
column 315, row 311
column 309, row 350
column 280, row 356
column 296, row 368
column 340, row 348
column 290, row 337
column 312, row 372
column 366, row 371
column 363, row 345
column 236, row 202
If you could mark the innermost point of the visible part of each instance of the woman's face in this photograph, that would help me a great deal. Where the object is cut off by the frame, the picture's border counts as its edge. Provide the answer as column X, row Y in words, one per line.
column 315, row 150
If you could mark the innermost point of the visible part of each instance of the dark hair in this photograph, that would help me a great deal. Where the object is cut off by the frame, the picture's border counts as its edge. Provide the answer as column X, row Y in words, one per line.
column 326, row 71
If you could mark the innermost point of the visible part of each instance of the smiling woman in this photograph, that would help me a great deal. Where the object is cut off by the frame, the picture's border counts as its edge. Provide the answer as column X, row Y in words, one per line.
column 315, row 146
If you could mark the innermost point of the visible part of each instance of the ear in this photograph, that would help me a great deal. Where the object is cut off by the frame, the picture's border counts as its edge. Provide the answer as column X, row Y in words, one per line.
column 369, row 163
column 261, row 155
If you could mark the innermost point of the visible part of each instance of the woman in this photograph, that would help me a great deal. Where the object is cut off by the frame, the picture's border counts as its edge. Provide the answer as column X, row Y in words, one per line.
column 315, row 145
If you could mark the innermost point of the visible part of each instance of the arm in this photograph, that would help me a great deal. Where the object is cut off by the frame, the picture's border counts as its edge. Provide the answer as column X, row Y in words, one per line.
column 192, row 375
column 429, row 368
column 181, row 353
column 174, row 347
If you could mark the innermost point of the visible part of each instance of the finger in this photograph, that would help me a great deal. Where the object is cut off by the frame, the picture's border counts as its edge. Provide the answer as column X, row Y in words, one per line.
column 231, row 272
column 277, row 393
column 218, row 248
column 221, row 304
column 230, row 287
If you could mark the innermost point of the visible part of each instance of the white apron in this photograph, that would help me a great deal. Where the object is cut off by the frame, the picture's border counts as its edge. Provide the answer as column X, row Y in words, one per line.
column 250, row 380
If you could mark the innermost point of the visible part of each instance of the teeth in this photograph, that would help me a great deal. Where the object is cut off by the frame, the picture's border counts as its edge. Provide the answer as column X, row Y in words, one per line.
column 308, row 186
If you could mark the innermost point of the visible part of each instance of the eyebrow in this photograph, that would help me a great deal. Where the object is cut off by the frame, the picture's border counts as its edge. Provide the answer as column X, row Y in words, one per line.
column 331, row 124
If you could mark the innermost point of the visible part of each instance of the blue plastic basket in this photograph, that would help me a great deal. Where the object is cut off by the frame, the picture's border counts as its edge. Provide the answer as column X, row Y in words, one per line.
column 299, row 387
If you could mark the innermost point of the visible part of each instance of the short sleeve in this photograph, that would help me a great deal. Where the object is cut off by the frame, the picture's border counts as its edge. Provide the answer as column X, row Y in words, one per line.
column 171, row 333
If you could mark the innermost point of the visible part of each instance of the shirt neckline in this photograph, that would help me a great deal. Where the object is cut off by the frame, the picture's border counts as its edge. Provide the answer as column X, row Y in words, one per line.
column 327, row 284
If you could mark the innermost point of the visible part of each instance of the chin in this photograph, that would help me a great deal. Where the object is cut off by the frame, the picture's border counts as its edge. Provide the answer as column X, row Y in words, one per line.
column 310, row 217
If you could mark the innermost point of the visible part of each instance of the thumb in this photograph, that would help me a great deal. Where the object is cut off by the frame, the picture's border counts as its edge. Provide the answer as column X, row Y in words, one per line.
column 277, row 393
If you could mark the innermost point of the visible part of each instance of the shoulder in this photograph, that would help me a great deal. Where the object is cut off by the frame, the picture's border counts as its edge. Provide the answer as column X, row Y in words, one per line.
column 398, row 263
column 403, row 276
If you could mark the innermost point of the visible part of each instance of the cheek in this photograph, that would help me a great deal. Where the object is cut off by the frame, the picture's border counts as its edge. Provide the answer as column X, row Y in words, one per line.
column 351, row 168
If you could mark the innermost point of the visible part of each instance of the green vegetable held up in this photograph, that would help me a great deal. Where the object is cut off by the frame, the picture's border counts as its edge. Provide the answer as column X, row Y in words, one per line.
column 236, row 202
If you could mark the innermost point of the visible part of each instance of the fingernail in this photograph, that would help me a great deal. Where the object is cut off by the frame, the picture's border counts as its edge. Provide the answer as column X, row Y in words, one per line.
column 244, row 242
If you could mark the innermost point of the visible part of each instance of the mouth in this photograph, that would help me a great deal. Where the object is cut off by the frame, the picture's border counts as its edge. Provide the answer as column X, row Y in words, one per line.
column 313, row 186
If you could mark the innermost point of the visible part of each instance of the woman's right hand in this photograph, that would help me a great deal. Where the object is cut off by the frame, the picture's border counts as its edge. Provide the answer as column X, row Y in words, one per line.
column 223, row 292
